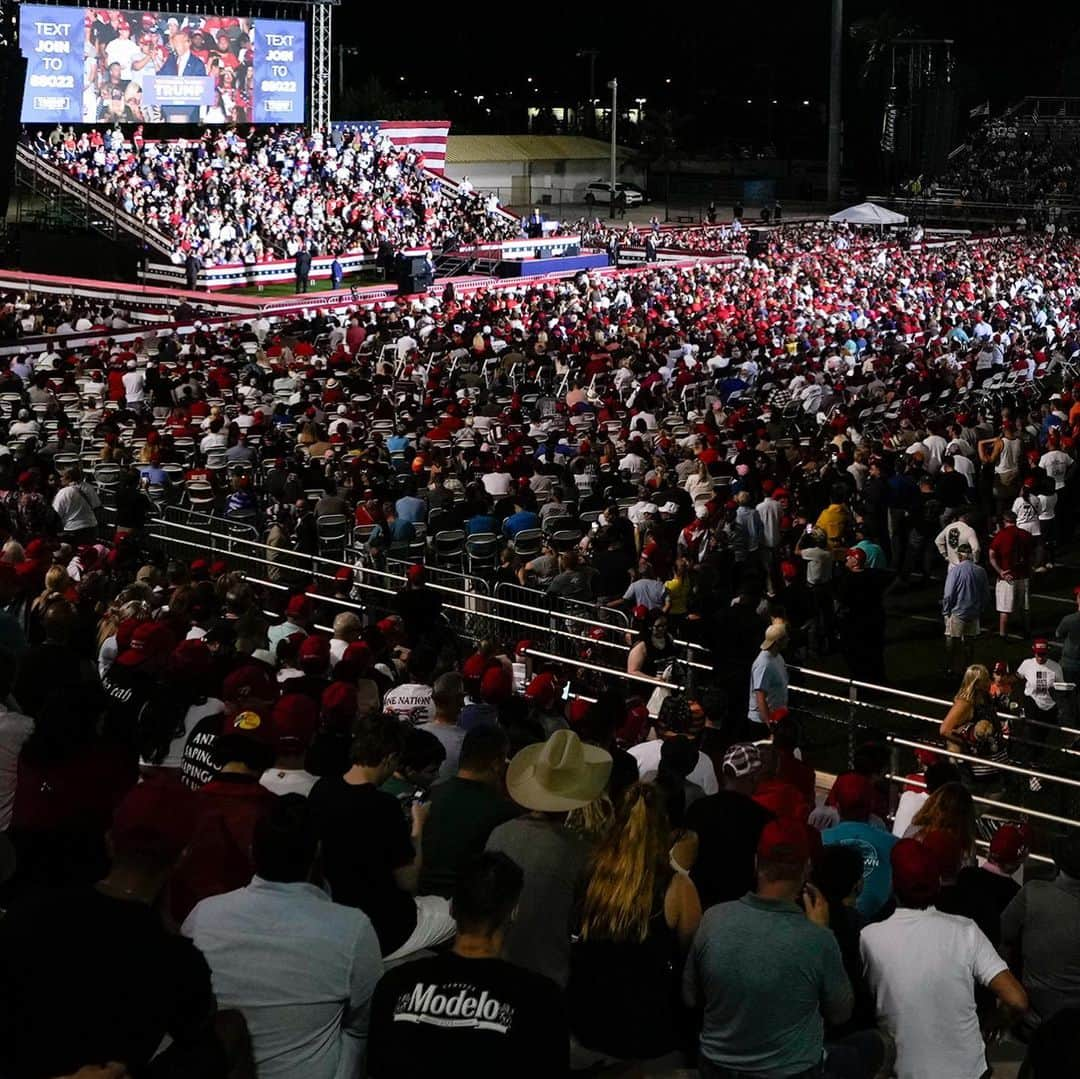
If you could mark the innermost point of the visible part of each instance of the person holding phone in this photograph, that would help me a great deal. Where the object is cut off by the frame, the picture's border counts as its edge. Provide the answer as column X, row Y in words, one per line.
column 766, row 968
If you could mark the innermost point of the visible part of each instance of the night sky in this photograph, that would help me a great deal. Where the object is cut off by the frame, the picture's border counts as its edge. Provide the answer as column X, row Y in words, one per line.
column 727, row 63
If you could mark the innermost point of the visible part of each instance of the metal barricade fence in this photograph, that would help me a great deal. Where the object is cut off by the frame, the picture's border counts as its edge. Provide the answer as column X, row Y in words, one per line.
column 564, row 625
column 475, row 616
column 472, row 620
column 839, row 715
column 467, row 609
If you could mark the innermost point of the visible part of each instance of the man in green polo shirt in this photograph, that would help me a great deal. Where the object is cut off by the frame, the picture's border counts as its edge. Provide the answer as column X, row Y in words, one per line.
column 766, row 971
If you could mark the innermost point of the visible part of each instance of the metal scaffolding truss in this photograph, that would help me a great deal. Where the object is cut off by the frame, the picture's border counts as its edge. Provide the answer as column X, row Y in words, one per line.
column 321, row 57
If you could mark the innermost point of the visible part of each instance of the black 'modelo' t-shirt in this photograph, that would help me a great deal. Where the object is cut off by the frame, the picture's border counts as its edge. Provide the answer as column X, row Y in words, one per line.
column 477, row 1017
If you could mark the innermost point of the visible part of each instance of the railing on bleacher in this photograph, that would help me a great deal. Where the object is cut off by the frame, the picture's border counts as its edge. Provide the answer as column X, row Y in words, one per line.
column 844, row 710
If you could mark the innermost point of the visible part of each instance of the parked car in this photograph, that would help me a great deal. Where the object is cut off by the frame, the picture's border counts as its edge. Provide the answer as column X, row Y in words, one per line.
column 600, row 191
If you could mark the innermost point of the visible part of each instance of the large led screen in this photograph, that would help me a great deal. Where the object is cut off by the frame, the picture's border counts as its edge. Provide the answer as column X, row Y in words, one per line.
column 101, row 65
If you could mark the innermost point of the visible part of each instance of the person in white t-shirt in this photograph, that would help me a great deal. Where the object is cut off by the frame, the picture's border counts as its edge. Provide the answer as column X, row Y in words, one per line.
column 497, row 484
column 922, row 967
column 1047, row 546
column 411, row 703
column 935, row 447
column 188, row 674
column 76, row 504
column 955, row 533
column 938, row 773
column 1039, row 674
column 124, row 51
column 24, row 426
column 1055, row 462
column 965, row 467
column 1026, row 507
column 647, row 757
column 134, row 386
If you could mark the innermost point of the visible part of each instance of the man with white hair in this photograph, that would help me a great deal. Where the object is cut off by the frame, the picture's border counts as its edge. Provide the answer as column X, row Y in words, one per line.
column 25, row 426
column 347, row 629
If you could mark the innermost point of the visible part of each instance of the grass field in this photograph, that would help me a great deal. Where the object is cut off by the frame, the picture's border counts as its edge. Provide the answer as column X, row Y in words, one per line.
column 288, row 288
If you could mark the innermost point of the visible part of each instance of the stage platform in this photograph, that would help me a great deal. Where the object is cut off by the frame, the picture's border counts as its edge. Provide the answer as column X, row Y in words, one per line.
column 567, row 264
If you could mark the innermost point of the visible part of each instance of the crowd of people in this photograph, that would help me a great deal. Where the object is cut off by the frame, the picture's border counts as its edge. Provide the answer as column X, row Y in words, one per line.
column 735, row 238
column 1010, row 163
column 382, row 845
column 125, row 49
column 231, row 197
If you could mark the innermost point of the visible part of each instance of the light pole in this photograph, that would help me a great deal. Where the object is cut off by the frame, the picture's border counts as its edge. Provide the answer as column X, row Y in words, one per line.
column 836, row 45
column 640, row 108
column 614, row 87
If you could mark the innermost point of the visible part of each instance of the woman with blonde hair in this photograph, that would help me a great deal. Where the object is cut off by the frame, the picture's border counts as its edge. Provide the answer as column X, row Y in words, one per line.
column 57, row 584
column 130, row 602
column 637, row 919
column 972, row 726
column 949, row 809
column 308, row 435
column 132, row 610
column 591, row 820
column 700, row 485
column 973, row 693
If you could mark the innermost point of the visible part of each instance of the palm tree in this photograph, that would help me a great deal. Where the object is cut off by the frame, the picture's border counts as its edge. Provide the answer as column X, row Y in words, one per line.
column 873, row 37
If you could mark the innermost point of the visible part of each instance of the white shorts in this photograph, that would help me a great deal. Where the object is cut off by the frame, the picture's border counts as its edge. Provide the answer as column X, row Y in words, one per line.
column 1011, row 596
column 957, row 627
column 433, row 926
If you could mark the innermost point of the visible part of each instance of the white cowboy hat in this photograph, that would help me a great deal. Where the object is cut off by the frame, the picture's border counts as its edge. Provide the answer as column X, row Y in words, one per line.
column 558, row 775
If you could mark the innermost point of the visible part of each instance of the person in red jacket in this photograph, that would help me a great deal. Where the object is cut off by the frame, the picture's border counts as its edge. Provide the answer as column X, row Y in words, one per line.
column 227, row 808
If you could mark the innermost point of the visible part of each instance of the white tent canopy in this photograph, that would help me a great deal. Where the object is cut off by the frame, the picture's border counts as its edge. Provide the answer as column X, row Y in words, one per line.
column 869, row 213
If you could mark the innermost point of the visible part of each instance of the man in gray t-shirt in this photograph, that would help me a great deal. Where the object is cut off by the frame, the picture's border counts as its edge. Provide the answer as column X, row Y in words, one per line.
column 447, row 700
column 1041, row 926
column 553, row 860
